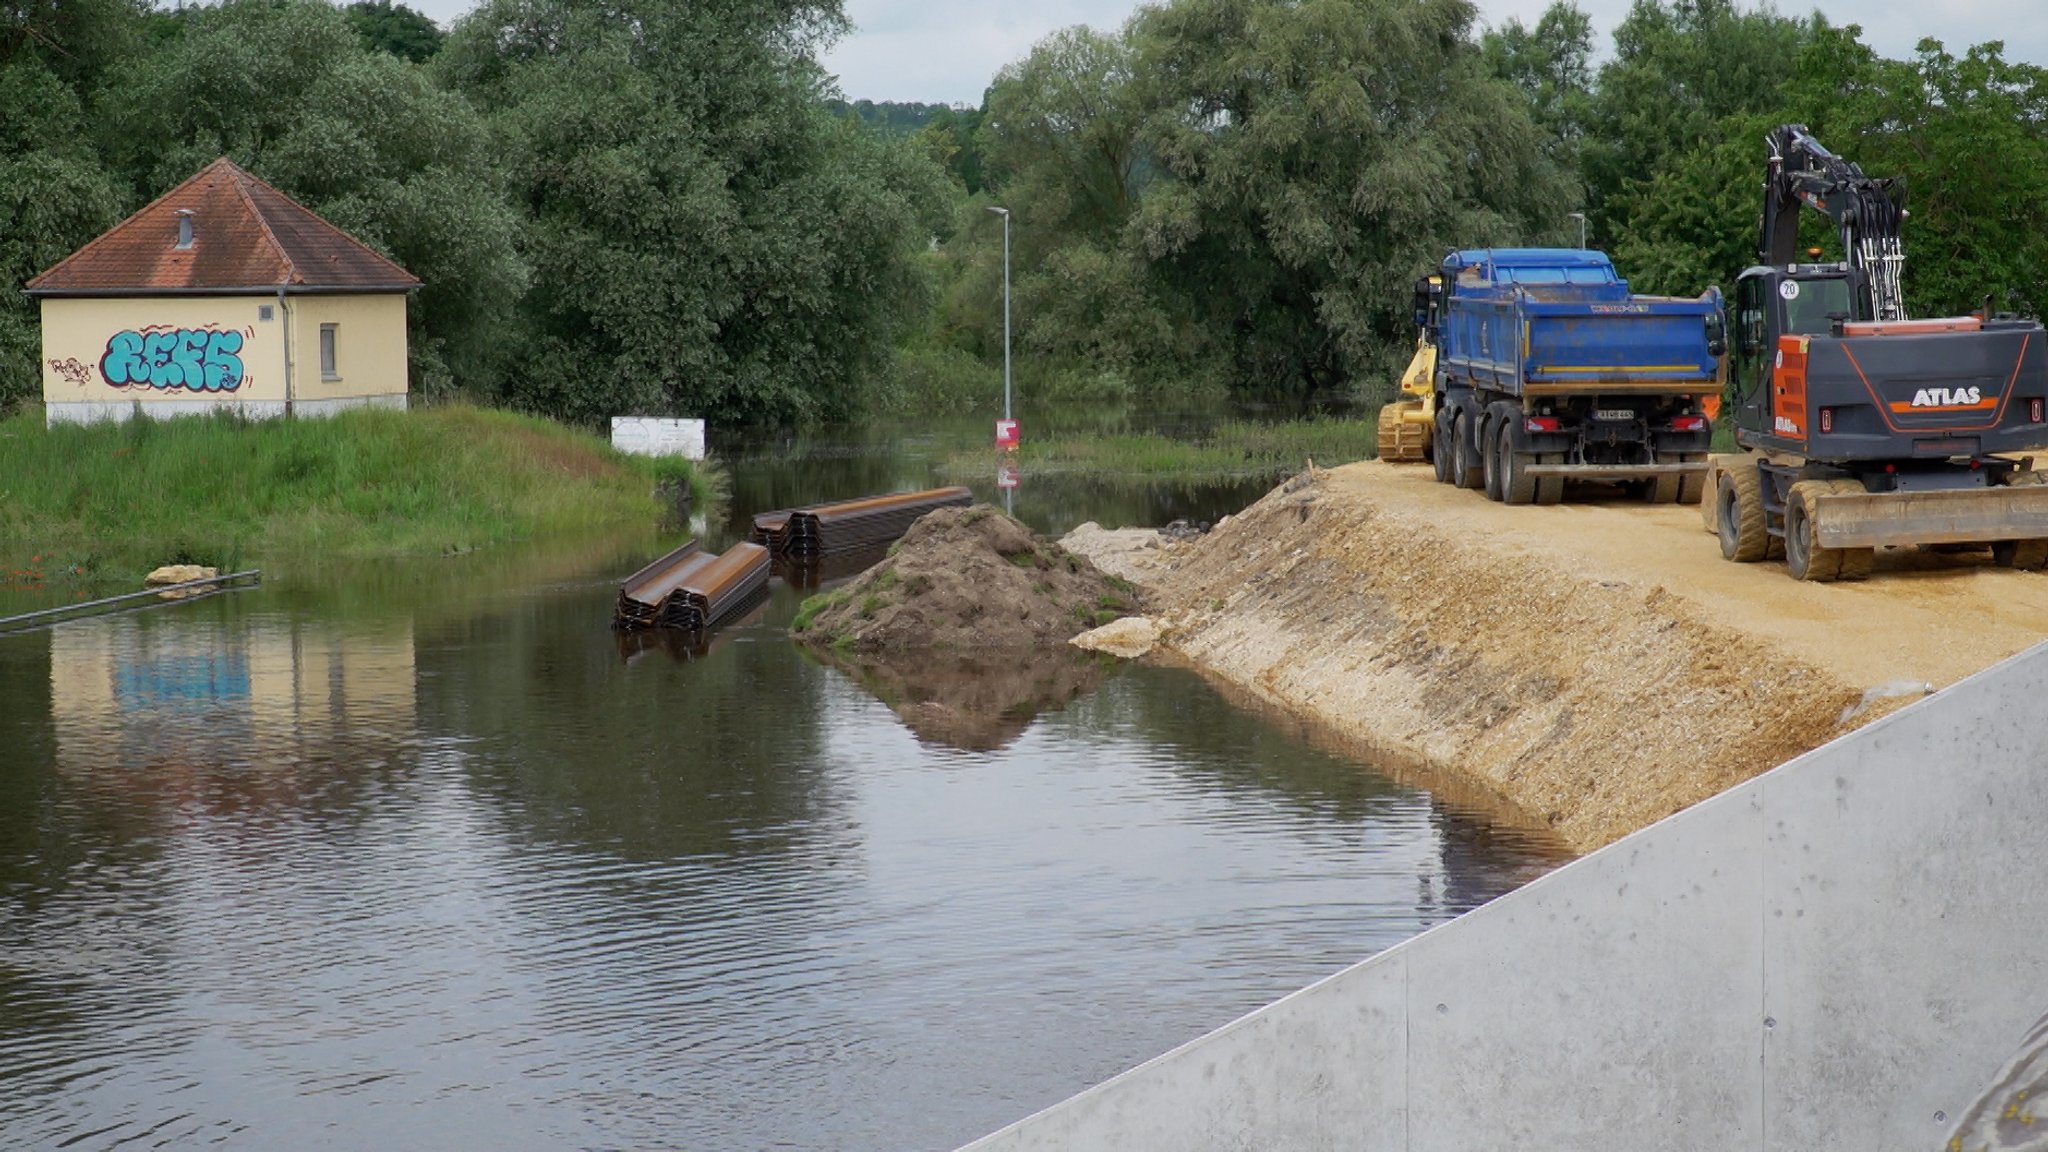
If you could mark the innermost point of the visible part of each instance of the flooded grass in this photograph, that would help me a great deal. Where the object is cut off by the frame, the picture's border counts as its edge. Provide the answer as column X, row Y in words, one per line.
column 1233, row 449
column 220, row 489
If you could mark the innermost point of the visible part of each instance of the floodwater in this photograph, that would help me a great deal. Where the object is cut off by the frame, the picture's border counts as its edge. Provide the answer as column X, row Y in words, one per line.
column 422, row 856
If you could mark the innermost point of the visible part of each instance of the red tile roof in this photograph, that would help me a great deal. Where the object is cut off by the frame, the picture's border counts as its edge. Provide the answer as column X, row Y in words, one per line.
column 245, row 235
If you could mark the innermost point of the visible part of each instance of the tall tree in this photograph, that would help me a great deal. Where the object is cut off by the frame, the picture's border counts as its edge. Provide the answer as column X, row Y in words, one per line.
column 287, row 89
column 1680, row 68
column 395, row 28
column 706, row 237
column 54, row 196
column 1552, row 65
column 1316, row 157
column 1969, row 134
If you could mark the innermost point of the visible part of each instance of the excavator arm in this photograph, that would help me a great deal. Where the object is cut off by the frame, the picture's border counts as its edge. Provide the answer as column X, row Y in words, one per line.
column 1867, row 211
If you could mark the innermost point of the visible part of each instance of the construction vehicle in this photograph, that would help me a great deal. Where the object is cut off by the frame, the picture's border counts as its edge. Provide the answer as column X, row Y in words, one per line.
column 1862, row 428
column 1548, row 369
column 1406, row 422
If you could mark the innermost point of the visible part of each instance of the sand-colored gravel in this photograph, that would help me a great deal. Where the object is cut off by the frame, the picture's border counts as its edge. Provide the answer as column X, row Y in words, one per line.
column 1597, row 666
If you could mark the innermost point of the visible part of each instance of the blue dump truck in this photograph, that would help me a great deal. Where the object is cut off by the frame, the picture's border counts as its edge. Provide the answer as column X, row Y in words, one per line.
column 1548, row 370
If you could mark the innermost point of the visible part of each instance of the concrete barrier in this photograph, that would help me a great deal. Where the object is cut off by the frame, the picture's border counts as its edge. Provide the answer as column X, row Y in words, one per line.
column 1838, row 954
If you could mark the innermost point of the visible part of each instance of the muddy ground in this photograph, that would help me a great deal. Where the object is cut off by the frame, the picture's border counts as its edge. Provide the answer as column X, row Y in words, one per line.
column 1595, row 665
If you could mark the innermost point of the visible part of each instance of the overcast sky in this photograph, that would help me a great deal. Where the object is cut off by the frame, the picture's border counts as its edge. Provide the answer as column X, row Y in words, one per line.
column 947, row 51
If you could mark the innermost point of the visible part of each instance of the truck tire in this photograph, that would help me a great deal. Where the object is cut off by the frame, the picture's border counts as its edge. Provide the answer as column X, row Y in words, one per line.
column 1805, row 559
column 1467, row 471
column 1550, row 489
column 1440, row 456
column 1497, row 417
column 1743, row 536
column 1516, row 485
column 1857, row 562
column 1692, row 488
column 1661, row 490
column 1489, row 451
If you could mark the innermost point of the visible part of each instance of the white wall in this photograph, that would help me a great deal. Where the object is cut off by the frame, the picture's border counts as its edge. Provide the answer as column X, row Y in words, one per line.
column 1836, row 955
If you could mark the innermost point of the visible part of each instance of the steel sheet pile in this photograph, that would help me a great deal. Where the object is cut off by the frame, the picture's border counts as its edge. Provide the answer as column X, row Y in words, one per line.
column 692, row 589
column 823, row 529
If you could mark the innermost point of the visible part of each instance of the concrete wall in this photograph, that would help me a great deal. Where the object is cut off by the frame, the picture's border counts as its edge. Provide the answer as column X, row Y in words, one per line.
column 1836, row 955
column 181, row 355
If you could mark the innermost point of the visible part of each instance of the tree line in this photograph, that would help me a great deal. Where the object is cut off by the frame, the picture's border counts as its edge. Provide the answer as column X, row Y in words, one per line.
column 1236, row 195
column 657, row 206
column 642, row 206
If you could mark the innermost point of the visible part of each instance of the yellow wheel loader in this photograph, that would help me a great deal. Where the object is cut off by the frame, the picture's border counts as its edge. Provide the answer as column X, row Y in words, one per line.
column 1406, row 423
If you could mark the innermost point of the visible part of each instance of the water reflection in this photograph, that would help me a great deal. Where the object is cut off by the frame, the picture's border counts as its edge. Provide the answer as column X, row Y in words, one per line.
column 973, row 702
column 428, row 862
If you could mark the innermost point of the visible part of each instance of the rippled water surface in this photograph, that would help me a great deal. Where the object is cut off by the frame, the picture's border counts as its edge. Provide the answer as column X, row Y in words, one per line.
column 423, row 857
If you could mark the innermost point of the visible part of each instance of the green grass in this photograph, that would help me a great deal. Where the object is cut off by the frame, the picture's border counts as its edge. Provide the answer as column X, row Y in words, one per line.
column 222, row 489
column 1231, row 450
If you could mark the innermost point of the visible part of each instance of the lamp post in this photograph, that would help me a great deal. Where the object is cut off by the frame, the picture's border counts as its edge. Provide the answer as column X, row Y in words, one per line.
column 1581, row 218
column 1005, row 214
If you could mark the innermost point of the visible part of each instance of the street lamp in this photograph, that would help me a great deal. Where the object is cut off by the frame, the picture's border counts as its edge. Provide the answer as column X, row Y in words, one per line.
column 1581, row 218
column 1005, row 214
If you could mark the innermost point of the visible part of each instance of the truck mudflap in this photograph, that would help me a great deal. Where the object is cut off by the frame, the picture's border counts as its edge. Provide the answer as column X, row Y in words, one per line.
column 1617, row 471
column 1959, row 516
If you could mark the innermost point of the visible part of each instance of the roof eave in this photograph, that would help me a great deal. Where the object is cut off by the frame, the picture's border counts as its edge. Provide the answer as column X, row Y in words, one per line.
column 247, row 290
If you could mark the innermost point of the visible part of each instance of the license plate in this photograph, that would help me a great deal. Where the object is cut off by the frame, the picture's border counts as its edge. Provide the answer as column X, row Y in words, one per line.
column 1613, row 414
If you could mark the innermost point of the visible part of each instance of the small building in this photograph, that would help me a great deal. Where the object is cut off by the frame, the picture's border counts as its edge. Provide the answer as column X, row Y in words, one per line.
column 223, row 293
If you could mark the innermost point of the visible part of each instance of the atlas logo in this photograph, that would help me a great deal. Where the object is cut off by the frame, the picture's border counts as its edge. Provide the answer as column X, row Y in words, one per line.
column 1947, row 398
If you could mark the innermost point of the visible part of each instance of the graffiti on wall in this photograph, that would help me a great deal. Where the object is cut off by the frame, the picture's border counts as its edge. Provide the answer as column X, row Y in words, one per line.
column 165, row 358
column 71, row 371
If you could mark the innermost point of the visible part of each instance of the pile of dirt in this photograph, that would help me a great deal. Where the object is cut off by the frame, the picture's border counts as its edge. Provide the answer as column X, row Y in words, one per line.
column 1595, row 705
column 966, row 579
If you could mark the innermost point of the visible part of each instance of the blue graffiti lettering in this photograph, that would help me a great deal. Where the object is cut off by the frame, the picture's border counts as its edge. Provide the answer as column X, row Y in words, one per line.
column 194, row 359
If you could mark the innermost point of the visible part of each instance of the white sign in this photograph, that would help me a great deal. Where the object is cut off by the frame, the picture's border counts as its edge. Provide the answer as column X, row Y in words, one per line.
column 648, row 436
column 1789, row 289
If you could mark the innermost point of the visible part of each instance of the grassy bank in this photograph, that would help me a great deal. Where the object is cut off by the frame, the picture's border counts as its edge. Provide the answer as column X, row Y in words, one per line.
column 361, row 484
column 1230, row 450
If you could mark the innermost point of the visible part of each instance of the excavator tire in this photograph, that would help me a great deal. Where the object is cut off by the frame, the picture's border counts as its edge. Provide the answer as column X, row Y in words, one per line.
column 1743, row 536
column 1516, row 485
column 2025, row 555
column 1805, row 559
column 1467, row 469
column 1857, row 562
column 1400, row 441
column 1440, row 459
column 1550, row 489
column 1693, row 486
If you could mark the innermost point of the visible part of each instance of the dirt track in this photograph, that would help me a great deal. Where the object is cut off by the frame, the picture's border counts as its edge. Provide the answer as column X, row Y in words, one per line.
column 1596, row 665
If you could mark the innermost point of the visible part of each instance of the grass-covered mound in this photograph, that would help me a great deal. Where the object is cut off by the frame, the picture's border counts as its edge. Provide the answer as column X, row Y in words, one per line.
column 966, row 579
column 221, row 489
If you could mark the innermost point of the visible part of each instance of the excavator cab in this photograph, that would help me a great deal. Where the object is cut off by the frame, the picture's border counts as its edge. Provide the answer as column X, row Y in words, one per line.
column 1803, row 300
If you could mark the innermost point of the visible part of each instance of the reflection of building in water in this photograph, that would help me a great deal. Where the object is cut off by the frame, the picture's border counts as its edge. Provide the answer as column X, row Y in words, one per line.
column 201, row 694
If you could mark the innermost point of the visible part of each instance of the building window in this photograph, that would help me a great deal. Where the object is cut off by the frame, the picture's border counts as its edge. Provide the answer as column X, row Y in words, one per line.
column 184, row 228
column 327, row 369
